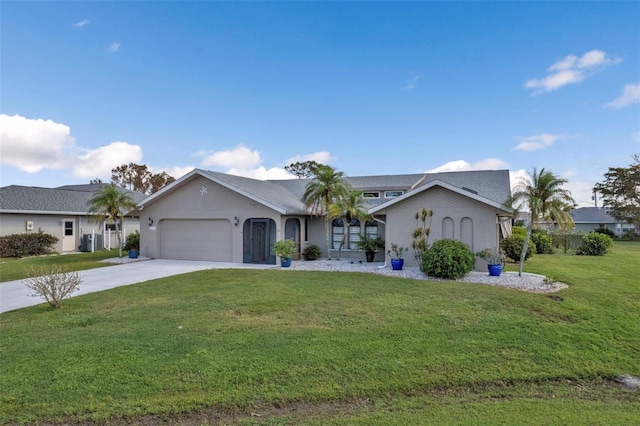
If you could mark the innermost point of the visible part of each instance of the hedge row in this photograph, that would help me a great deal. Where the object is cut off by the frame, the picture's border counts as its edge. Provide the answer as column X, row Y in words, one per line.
column 21, row 245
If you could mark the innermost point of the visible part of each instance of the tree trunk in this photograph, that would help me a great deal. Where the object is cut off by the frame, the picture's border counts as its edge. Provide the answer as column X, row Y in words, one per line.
column 326, row 229
column 525, row 246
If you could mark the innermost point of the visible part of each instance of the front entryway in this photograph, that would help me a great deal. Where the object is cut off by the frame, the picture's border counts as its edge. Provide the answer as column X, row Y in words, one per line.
column 258, row 237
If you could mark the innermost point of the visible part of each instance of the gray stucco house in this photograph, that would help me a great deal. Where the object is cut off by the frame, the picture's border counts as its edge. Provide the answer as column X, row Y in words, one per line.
column 60, row 211
column 207, row 215
column 587, row 219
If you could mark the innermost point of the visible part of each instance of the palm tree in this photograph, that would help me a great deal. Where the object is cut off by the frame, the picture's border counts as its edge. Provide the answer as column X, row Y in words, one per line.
column 350, row 207
column 326, row 188
column 543, row 193
column 111, row 204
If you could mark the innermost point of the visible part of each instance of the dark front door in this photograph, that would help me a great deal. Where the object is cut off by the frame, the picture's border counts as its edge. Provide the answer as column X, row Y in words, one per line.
column 259, row 239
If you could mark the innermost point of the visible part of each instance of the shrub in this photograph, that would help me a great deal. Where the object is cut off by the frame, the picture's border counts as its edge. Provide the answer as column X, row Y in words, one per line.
column 448, row 259
column 52, row 284
column 133, row 241
column 20, row 245
column 512, row 247
column 605, row 231
column 312, row 252
column 542, row 241
column 519, row 230
column 595, row 244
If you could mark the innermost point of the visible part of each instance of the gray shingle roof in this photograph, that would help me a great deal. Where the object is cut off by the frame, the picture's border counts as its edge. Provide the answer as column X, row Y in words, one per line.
column 67, row 199
column 591, row 215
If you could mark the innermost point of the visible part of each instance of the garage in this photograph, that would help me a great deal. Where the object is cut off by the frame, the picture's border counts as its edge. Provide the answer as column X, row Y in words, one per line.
column 193, row 239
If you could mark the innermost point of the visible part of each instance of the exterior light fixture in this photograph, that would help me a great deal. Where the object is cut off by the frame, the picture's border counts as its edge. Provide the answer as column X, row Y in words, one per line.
column 150, row 222
column 236, row 221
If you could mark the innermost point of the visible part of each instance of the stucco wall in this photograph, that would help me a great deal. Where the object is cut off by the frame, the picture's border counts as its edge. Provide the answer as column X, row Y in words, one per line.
column 15, row 223
column 201, row 198
column 451, row 211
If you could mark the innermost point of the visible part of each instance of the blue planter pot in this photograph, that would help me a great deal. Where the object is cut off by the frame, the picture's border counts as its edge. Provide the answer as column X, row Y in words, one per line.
column 495, row 270
column 133, row 254
column 397, row 264
column 285, row 262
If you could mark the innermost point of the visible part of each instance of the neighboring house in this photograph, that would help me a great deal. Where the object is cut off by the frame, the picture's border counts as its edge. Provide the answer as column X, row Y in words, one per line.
column 588, row 219
column 214, row 216
column 61, row 212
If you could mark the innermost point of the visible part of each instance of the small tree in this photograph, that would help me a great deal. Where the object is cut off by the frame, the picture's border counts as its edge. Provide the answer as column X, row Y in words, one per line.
column 52, row 284
column 621, row 192
column 110, row 203
column 420, row 242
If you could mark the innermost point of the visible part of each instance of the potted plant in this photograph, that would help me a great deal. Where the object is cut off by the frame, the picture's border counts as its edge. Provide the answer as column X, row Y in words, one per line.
column 370, row 246
column 494, row 260
column 395, row 252
column 284, row 250
column 132, row 244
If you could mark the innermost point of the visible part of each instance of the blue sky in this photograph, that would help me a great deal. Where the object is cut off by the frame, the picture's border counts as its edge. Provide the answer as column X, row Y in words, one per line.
column 369, row 88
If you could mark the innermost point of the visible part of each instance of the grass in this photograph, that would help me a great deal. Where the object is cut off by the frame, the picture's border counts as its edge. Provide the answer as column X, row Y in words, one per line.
column 15, row 269
column 332, row 348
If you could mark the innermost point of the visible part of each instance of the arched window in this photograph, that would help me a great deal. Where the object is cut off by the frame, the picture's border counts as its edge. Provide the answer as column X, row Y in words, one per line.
column 354, row 234
column 337, row 232
column 371, row 229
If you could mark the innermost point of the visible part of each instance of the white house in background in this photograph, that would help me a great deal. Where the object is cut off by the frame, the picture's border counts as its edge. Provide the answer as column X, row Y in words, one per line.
column 207, row 215
column 61, row 212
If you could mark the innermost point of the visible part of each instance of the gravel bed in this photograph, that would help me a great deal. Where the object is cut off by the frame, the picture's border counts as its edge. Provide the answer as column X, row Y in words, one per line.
column 527, row 282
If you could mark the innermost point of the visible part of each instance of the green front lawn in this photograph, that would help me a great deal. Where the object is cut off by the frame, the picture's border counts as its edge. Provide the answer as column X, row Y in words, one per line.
column 332, row 348
column 16, row 269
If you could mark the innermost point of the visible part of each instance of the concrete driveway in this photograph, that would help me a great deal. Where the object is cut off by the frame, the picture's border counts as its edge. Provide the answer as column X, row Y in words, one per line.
column 15, row 295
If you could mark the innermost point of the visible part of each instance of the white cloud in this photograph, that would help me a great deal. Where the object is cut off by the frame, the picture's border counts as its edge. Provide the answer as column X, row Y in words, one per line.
column 113, row 47
column 82, row 23
column 461, row 165
column 411, row 83
column 571, row 70
column 630, row 95
column 322, row 157
column 242, row 161
column 34, row 144
column 537, row 142
column 100, row 161
column 240, row 158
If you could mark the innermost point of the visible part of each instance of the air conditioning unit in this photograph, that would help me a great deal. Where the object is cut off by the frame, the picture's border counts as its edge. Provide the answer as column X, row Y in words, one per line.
column 29, row 225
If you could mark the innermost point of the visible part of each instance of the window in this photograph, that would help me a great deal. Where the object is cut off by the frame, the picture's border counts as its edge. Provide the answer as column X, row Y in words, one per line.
column 371, row 229
column 354, row 234
column 68, row 228
column 371, row 194
column 393, row 194
column 337, row 227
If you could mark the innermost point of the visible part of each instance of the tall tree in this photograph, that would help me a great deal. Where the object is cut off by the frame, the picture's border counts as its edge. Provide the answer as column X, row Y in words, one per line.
column 326, row 188
column 138, row 177
column 110, row 204
column 543, row 193
column 304, row 169
column 621, row 192
column 349, row 207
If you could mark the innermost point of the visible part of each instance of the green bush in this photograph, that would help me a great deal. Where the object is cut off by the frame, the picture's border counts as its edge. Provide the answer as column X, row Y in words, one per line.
column 542, row 241
column 312, row 252
column 20, row 245
column 595, row 244
column 605, row 231
column 133, row 241
column 448, row 259
column 512, row 247
column 519, row 230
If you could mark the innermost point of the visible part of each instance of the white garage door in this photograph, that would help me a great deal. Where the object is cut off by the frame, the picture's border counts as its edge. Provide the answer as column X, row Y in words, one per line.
column 195, row 240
